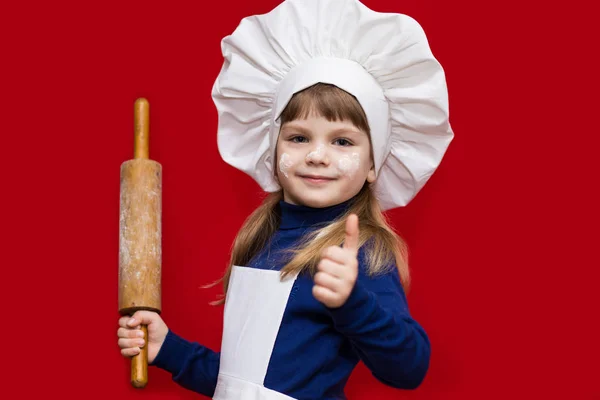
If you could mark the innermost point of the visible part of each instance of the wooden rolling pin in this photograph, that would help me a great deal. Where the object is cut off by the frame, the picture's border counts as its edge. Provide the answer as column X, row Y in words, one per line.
column 140, row 235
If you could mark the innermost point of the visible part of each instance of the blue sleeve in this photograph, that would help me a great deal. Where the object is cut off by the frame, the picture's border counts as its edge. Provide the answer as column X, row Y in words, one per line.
column 191, row 365
column 377, row 321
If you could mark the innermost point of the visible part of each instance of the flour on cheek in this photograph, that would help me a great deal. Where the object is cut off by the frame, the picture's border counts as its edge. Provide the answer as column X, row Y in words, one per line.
column 348, row 165
column 285, row 163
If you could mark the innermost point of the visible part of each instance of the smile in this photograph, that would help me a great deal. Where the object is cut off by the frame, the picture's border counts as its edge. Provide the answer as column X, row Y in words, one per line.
column 316, row 179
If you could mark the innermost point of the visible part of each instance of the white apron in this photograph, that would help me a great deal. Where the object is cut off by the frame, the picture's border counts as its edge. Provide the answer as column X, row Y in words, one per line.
column 254, row 306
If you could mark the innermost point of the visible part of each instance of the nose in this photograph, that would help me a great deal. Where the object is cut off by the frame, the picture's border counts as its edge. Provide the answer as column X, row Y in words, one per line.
column 318, row 156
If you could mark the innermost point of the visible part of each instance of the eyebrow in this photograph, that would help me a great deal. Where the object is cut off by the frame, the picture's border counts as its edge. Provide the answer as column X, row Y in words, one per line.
column 333, row 132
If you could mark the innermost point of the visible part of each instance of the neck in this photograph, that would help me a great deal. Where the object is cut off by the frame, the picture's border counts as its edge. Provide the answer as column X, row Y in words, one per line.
column 298, row 216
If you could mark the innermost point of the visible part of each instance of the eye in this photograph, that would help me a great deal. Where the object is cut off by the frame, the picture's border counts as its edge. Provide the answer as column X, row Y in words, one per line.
column 298, row 139
column 342, row 142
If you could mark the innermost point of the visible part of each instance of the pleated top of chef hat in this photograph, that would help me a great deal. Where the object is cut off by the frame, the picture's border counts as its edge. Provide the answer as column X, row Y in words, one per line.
column 383, row 59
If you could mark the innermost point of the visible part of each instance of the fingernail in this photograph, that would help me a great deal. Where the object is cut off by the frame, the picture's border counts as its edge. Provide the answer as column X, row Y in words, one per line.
column 139, row 334
column 140, row 343
column 131, row 321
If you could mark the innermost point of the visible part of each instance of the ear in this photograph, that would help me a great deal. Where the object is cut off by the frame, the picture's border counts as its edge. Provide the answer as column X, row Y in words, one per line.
column 371, row 175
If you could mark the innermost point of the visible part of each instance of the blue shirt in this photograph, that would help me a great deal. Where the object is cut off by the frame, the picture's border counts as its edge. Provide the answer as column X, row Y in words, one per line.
column 317, row 347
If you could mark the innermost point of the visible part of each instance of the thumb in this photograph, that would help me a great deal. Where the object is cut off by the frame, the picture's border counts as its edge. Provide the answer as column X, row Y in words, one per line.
column 351, row 240
column 141, row 317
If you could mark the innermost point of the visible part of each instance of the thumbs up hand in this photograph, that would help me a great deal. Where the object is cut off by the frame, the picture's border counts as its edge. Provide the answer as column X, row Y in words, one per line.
column 338, row 269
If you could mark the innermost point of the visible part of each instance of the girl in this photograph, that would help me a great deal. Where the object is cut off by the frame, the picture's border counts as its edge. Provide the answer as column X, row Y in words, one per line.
column 317, row 278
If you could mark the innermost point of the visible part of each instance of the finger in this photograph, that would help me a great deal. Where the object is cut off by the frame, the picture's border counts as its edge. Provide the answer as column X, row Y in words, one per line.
column 130, row 352
column 129, row 343
column 130, row 333
column 324, row 295
column 338, row 255
column 352, row 232
column 331, row 267
column 140, row 317
column 123, row 321
column 328, row 281
column 129, row 322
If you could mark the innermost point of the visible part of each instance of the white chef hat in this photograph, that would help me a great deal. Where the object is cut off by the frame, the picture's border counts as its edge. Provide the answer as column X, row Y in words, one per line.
column 383, row 59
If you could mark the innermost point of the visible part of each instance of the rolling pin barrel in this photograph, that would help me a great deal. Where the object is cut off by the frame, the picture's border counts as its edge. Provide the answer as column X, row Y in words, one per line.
column 140, row 235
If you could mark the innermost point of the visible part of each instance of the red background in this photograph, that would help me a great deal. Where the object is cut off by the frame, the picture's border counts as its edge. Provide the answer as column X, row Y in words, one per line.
column 502, row 238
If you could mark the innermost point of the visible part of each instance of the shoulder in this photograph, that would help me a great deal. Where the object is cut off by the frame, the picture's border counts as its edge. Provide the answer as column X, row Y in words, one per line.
column 375, row 265
column 386, row 273
column 385, row 284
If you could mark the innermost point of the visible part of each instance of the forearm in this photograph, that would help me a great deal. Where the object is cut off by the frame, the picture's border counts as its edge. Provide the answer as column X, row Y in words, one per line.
column 193, row 366
column 388, row 340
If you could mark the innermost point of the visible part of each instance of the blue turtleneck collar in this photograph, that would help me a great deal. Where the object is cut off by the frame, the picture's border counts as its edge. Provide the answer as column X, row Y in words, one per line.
column 295, row 216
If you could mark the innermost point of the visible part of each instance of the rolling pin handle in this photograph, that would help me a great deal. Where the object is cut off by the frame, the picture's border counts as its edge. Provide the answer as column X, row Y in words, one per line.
column 139, row 364
column 141, row 128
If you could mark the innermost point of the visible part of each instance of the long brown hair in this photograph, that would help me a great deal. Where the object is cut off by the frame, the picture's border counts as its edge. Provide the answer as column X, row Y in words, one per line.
column 384, row 246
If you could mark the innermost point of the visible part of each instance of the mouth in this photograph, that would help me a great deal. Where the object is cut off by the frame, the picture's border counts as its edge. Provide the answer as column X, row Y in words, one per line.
column 316, row 179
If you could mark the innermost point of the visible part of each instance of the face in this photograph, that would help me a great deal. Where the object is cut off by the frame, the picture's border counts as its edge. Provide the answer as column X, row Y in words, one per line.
column 322, row 163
